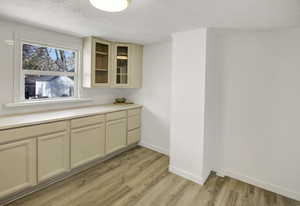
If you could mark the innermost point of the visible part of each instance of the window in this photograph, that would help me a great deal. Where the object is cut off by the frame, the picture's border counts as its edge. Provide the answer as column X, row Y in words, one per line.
column 48, row 72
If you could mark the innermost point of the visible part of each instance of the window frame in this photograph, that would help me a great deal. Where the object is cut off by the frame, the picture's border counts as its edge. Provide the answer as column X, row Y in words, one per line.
column 22, row 72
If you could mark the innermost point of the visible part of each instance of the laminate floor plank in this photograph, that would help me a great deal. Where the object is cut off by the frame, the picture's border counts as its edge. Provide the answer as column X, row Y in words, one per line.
column 107, row 182
column 140, row 177
column 118, row 181
column 139, row 191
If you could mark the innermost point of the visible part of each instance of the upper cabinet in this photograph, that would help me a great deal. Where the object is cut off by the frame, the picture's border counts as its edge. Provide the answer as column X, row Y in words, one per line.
column 111, row 64
column 101, row 62
column 97, row 64
column 121, row 65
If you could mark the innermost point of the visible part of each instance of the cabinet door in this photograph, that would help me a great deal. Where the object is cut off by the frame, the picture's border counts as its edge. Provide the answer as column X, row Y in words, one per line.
column 87, row 144
column 101, row 63
column 53, row 155
column 116, row 133
column 121, row 65
column 17, row 166
column 136, row 66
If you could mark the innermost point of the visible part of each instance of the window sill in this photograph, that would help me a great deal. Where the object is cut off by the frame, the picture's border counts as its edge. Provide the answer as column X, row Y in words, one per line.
column 46, row 102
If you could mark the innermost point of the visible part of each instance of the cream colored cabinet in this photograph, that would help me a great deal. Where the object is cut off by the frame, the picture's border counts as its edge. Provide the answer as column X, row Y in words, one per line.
column 136, row 66
column 53, row 155
column 31, row 155
column 17, row 166
column 134, row 124
column 127, row 65
column 97, row 63
column 111, row 64
column 121, row 65
column 134, row 136
column 18, row 155
column 87, row 140
column 116, row 134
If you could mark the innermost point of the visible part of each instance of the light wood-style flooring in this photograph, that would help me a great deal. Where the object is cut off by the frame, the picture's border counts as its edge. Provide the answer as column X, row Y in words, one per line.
column 140, row 177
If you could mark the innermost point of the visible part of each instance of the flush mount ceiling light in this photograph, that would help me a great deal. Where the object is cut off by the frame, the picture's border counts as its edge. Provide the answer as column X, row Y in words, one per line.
column 110, row 5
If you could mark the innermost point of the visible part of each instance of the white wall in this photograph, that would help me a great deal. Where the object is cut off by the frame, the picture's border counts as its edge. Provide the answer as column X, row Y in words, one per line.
column 187, row 103
column 155, row 96
column 257, row 81
column 8, row 30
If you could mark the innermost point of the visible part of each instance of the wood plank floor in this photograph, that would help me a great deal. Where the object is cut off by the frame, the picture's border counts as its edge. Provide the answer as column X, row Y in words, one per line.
column 140, row 177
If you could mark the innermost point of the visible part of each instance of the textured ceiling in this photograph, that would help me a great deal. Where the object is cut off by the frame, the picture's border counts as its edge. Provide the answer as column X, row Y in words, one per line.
column 147, row 21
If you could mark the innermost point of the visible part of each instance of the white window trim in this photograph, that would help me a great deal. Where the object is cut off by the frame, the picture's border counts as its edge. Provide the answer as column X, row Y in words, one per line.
column 19, row 87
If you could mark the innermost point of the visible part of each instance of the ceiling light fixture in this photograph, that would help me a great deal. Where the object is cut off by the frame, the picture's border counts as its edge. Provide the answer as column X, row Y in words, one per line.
column 110, row 5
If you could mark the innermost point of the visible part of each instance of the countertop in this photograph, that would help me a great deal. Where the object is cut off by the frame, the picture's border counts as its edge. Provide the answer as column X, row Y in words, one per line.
column 21, row 120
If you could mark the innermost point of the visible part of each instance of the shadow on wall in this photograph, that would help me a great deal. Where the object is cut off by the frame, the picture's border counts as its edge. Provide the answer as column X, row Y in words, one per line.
column 156, row 133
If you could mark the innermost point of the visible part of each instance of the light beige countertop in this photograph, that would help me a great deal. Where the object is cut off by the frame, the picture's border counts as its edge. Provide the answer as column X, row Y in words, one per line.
column 21, row 120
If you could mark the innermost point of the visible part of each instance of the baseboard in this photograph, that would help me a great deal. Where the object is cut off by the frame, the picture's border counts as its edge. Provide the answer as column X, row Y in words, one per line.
column 155, row 148
column 259, row 183
column 220, row 174
column 187, row 175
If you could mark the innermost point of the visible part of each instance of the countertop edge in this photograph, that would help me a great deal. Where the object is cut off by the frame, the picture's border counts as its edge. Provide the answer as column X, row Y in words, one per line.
column 67, row 117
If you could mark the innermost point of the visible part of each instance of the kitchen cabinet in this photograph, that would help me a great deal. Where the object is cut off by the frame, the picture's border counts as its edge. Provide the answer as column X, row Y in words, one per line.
column 53, row 155
column 97, row 63
column 121, row 60
column 34, row 155
column 134, row 122
column 17, row 166
column 127, row 65
column 116, row 134
column 112, row 64
column 134, row 125
column 87, row 140
column 133, row 136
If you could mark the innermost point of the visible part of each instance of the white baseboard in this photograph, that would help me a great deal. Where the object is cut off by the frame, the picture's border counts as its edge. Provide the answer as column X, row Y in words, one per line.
column 155, row 148
column 187, row 175
column 259, row 183
column 220, row 174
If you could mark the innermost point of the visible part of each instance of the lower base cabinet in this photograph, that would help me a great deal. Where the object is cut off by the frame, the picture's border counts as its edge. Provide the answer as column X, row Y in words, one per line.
column 17, row 166
column 53, row 155
column 35, row 154
column 134, row 125
column 116, row 135
column 134, row 136
column 87, row 144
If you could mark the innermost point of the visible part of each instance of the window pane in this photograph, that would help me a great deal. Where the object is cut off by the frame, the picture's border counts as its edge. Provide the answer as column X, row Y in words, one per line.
column 44, row 86
column 48, row 59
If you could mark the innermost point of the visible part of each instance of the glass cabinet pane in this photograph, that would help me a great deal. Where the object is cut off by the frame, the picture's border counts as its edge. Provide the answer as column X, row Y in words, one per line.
column 101, row 63
column 122, row 65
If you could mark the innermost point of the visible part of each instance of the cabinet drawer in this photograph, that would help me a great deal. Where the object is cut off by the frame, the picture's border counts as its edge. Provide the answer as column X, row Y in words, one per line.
column 116, row 115
column 133, row 136
column 134, row 122
column 134, row 112
column 31, row 131
column 86, row 121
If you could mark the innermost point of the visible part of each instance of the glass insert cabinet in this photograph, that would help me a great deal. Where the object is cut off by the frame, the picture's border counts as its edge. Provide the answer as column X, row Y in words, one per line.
column 121, row 65
column 102, row 64
column 111, row 64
